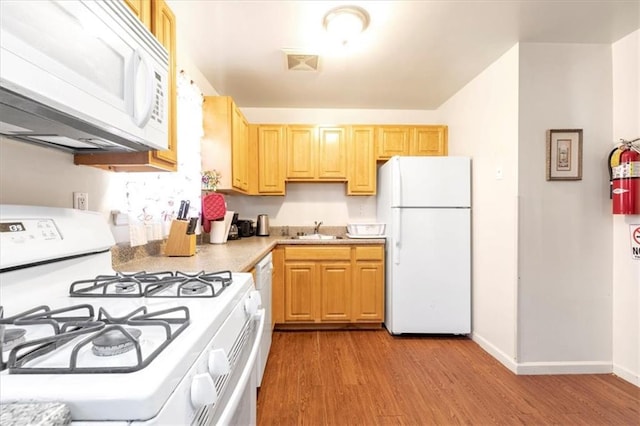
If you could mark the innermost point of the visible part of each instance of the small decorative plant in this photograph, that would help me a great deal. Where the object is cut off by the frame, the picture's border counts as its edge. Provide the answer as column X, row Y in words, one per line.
column 210, row 180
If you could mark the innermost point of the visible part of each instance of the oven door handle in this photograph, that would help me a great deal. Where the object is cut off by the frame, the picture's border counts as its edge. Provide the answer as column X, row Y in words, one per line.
column 236, row 396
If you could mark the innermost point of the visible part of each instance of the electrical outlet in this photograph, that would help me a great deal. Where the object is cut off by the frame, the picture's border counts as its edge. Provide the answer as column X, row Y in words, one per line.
column 81, row 200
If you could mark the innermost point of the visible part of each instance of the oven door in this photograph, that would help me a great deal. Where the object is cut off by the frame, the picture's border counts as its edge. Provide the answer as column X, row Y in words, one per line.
column 238, row 404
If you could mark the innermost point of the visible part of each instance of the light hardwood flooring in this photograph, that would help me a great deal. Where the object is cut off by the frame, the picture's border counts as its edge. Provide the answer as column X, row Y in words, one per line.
column 373, row 378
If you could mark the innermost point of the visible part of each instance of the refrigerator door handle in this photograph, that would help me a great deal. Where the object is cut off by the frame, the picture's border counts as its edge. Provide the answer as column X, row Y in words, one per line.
column 396, row 235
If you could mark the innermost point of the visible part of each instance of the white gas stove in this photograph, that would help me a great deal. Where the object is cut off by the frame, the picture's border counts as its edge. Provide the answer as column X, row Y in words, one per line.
column 140, row 347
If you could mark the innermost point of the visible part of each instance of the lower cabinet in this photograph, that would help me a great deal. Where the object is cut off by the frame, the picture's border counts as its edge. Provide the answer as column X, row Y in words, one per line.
column 329, row 285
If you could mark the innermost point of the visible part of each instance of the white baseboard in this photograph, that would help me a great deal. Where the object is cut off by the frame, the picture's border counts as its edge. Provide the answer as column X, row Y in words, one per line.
column 505, row 359
column 627, row 375
column 565, row 367
column 560, row 367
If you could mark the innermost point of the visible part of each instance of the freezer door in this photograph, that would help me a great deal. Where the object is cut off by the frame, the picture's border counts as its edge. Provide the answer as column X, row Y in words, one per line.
column 430, row 181
column 428, row 268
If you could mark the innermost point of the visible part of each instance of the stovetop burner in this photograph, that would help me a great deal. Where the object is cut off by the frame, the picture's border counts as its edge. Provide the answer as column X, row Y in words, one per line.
column 115, row 341
column 156, row 284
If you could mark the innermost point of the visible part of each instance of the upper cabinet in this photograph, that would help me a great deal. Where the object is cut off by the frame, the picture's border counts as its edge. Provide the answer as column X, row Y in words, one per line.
column 332, row 153
column 270, row 144
column 316, row 153
column 302, row 144
column 225, row 144
column 410, row 140
column 142, row 9
column 428, row 140
column 362, row 161
column 159, row 18
column 392, row 141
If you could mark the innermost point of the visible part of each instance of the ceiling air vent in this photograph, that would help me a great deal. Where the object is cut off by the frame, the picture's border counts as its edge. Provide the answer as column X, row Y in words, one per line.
column 302, row 61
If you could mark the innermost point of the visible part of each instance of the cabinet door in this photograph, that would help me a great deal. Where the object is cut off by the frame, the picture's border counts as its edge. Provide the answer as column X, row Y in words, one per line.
column 142, row 9
column 271, row 160
column 301, row 147
column 362, row 161
column 239, row 150
column 335, row 284
column 368, row 292
column 163, row 26
column 332, row 153
column 392, row 141
column 301, row 295
column 429, row 140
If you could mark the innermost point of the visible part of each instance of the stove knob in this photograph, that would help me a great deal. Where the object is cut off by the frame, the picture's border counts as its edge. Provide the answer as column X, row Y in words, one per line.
column 218, row 363
column 203, row 391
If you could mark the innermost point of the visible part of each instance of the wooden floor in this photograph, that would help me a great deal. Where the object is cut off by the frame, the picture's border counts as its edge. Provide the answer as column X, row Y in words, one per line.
column 372, row 378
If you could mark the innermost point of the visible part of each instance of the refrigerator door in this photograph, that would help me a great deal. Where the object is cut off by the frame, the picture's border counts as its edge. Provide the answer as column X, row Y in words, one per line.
column 428, row 181
column 429, row 272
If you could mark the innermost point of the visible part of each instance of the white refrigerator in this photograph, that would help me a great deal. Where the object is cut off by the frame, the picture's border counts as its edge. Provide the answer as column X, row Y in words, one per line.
column 425, row 203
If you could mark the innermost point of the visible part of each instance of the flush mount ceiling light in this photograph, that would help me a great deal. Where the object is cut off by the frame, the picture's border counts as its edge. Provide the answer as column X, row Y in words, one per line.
column 346, row 22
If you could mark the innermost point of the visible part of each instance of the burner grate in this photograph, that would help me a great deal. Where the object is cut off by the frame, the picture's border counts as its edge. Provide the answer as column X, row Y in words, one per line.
column 89, row 328
column 154, row 284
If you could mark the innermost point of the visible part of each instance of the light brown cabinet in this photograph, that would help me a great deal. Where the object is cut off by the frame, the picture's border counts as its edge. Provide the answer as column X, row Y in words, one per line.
column 225, row 144
column 368, row 284
column 362, row 161
column 316, row 153
column 271, row 159
column 325, row 285
column 428, row 140
column 301, row 152
column 410, row 140
column 332, row 153
column 142, row 9
column 159, row 18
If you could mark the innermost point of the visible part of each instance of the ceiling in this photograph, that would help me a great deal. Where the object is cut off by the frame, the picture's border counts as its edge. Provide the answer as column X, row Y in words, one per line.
column 414, row 55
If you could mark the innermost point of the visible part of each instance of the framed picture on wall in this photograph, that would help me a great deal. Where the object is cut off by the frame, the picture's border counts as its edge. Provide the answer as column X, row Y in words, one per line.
column 564, row 154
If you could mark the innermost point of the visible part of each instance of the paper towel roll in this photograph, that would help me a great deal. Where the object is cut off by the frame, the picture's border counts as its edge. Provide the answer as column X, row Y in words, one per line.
column 220, row 229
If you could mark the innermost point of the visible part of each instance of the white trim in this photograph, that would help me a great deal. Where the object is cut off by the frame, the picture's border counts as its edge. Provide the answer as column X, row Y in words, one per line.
column 565, row 367
column 626, row 374
column 505, row 359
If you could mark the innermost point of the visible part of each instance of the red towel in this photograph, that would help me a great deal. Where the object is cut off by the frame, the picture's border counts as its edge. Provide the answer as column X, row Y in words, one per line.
column 213, row 208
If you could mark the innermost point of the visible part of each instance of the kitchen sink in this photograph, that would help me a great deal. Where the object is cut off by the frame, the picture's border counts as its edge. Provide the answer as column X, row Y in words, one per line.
column 315, row 237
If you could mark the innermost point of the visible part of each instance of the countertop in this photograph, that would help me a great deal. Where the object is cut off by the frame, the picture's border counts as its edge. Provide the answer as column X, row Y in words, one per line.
column 34, row 414
column 236, row 255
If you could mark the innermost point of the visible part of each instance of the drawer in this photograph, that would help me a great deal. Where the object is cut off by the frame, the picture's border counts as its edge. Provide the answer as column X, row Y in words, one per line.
column 317, row 253
column 370, row 253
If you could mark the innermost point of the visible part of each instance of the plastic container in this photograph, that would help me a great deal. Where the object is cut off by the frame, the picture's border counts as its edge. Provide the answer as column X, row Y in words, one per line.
column 366, row 229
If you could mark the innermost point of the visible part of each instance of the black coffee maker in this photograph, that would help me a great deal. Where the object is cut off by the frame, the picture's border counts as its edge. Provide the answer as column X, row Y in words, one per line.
column 245, row 228
column 234, row 233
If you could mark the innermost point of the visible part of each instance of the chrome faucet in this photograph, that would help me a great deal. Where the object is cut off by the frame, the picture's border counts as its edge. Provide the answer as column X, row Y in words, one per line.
column 316, row 229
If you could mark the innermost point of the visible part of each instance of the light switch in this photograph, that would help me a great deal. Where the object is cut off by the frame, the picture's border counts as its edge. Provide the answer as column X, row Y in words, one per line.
column 499, row 173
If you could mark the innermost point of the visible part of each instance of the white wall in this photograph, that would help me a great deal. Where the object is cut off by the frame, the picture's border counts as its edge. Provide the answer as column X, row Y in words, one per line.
column 565, row 265
column 34, row 175
column 483, row 123
column 626, row 272
column 305, row 203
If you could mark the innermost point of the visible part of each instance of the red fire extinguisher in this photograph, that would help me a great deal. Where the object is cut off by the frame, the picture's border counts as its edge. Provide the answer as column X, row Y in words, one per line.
column 625, row 178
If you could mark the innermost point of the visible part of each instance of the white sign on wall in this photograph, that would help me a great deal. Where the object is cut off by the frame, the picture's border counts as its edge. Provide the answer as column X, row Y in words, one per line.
column 635, row 241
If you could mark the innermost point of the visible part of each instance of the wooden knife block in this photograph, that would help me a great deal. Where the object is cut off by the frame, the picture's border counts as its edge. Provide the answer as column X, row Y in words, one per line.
column 179, row 243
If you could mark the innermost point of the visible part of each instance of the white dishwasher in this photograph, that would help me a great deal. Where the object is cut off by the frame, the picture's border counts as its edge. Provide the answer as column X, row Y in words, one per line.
column 264, row 269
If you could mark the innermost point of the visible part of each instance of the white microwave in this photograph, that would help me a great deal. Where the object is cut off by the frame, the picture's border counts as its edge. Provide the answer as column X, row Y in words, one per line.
column 83, row 76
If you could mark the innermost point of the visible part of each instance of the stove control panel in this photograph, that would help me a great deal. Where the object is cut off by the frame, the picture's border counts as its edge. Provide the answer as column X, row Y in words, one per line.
column 26, row 231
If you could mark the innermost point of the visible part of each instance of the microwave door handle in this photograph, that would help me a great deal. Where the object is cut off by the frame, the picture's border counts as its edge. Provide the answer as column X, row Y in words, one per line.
column 141, row 116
